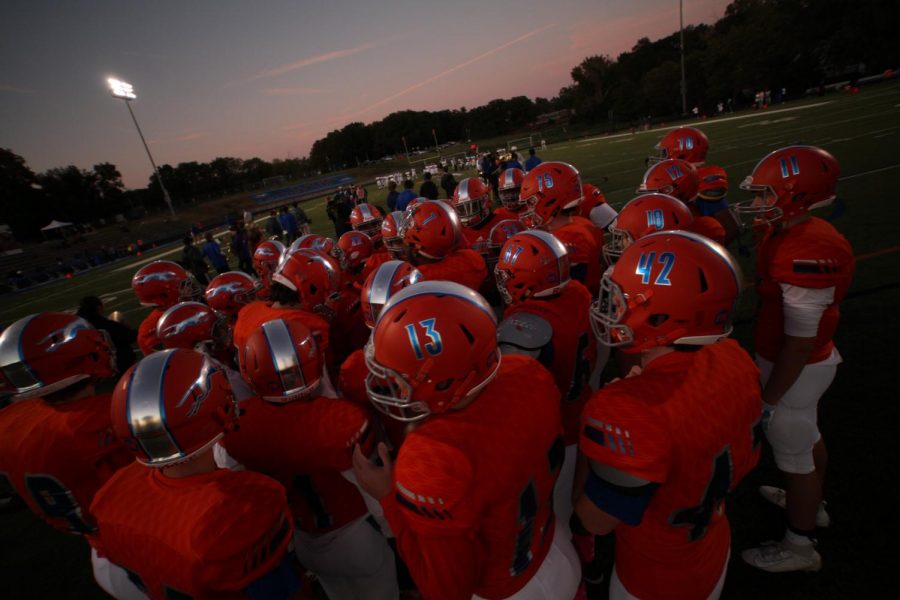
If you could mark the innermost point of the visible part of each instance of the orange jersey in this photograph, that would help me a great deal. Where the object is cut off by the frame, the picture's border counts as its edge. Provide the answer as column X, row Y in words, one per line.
column 348, row 328
column 590, row 202
column 305, row 445
column 464, row 266
column 812, row 254
column 378, row 258
column 256, row 313
column 504, row 213
column 584, row 243
column 58, row 456
column 691, row 423
column 204, row 536
column 478, row 238
column 146, row 338
column 572, row 350
column 706, row 226
column 471, row 510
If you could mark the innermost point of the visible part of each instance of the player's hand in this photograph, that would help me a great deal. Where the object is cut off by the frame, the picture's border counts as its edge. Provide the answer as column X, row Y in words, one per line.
column 376, row 481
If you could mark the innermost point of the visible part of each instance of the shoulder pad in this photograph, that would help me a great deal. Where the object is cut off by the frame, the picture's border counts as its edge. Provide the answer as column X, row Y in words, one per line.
column 433, row 481
column 524, row 331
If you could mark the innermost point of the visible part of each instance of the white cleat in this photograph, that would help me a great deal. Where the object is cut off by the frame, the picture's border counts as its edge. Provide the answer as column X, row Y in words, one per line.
column 782, row 557
column 776, row 496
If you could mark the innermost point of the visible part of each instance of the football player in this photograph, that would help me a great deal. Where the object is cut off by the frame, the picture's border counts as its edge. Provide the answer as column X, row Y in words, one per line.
column 509, row 186
column 546, row 317
column 472, row 202
column 356, row 248
column 387, row 280
column 691, row 145
column 292, row 433
column 469, row 499
column 175, row 523
column 229, row 292
column 804, row 266
column 160, row 284
column 56, row 442
column 390, row 235
column 665, row 445
column 646, row 214
column 433, row 238
column 265, row 260
column 551, row 193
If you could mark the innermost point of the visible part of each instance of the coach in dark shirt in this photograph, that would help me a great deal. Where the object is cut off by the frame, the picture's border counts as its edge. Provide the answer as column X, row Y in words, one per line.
column 122, row 336
column 448, row 182
column 428, row 189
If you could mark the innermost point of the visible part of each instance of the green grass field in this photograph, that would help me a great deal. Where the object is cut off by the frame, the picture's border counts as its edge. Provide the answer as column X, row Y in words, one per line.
column 858, row 419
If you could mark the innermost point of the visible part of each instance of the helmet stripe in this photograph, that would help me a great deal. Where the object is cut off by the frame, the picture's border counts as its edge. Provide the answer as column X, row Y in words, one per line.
column 12, row 359
column 284, row 355
column 147, row 410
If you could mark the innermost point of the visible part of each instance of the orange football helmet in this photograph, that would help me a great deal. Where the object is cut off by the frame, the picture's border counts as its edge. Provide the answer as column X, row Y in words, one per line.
column 673, row 177
column 431, row 229
column 642, row 216
column 509, row 187
column 434, row 345
column 390, row 233
column 47, row 352
column 266, row 258
column 500, row 232
column 367, row 219
column 319, row 243
column 532, row 264
column 171, row 406
column 282, row 361
column 163, row 283
column 315, row 276
column 229, row 292
column 788, row 182
column 547, row 189
column 193, row 325
column 713, row 183
column 382, row 283
column 355, row 247
column 472, row 201
column 683, row 143
column 667, row 288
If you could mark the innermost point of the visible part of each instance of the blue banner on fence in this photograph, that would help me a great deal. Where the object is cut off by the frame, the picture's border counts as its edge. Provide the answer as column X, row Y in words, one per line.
column 302, row 190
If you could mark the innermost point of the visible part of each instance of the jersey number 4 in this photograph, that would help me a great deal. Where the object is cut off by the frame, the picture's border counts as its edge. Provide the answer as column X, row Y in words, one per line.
column 697, row 518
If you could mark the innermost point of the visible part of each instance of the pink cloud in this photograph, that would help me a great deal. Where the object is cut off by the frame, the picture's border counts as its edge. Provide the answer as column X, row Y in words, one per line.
column 309, row 61
column 295, row 91
column 16, row 90
column 453, row 69
column 185, row 137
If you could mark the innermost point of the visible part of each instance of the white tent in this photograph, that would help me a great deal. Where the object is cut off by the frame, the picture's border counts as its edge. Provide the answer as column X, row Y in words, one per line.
column 54, row 224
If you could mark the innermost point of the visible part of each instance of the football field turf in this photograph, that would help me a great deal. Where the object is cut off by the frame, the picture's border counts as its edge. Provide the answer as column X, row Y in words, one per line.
column 858, row 419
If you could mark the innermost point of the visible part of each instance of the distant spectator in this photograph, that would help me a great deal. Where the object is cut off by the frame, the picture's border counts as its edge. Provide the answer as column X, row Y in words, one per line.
column 428, row 189
column 247, row 216
column 392, row 195
column 362, row 194
column 213, row 254
column 273, row 227
column 513, row 163
column 241, row 249
column 123, row 337
column 338, row 209
column 448, row 182
column 195, row 231
column 303, row 221
column 192, row 259
column 406, row 195
column 533, row 160
column 254, row 237
column 288, row 224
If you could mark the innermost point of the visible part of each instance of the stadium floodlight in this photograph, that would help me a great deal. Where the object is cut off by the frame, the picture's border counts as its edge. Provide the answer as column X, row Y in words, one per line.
column 125, row 91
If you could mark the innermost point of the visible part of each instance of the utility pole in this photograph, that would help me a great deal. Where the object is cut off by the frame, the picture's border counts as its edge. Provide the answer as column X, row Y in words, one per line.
column 407, row 151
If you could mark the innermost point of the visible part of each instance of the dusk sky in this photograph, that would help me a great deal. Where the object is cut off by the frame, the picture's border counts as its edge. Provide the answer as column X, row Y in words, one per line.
column 267, row 78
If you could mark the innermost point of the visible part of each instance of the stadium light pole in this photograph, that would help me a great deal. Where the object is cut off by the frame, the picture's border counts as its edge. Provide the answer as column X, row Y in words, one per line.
column 683, row 79
column 125, row 91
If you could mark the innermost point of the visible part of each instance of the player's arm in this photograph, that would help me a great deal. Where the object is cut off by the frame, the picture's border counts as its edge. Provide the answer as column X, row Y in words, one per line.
column 803, row 309
column 431, row 510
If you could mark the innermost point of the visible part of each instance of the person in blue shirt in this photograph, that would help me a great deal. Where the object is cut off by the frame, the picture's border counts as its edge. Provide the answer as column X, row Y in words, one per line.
column 513, row 163
column 392, row 196
column 288, row 224
column 213, row 253
column 532, row 161
column 406, row 195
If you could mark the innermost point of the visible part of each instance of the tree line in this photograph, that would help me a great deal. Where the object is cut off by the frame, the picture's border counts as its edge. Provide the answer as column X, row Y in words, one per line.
column 756, row 45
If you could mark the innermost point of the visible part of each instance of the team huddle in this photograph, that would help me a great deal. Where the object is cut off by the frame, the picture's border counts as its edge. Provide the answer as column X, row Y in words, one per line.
column 475, row 389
